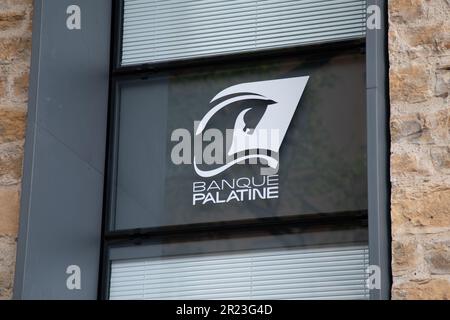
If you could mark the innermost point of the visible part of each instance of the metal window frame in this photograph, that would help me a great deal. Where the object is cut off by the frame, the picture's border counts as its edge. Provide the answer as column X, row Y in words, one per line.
column 377, row 155
column 378, row 142
column 144, row 235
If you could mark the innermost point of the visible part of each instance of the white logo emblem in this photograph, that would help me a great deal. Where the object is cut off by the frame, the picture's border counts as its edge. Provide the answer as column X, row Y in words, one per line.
column 280, row 97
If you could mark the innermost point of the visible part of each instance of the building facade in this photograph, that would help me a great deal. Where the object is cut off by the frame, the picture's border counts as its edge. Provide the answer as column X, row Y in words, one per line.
column 412, row 48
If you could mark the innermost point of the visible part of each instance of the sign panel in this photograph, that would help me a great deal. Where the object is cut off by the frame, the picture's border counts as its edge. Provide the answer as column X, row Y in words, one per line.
column 267, row 138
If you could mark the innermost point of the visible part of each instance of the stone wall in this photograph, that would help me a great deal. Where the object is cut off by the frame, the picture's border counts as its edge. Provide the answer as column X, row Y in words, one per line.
column 15, row 50
column 419, row 54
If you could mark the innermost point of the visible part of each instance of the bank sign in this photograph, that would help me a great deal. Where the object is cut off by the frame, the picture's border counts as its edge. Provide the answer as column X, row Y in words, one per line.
column 258, row 140
column 246, row 140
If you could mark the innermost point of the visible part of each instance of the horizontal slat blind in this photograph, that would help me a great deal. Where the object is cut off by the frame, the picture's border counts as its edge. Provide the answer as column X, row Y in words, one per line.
column 326, row 273
column 162, row 30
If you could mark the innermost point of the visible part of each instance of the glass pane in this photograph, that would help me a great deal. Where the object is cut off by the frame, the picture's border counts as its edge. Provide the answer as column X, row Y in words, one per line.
column 308, row 265
column 155, row 31
column 312, row 158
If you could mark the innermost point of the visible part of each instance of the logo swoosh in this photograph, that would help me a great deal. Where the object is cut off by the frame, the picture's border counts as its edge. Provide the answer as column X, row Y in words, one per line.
column 210, row 173
column 213, row 111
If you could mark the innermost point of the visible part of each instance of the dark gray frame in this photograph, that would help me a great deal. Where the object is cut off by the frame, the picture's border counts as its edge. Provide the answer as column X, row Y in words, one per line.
column 62, row 187
column 378, row 142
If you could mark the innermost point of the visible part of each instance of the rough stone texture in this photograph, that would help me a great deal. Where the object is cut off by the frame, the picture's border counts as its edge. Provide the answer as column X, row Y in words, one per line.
column 7, row 260
column 419, row 54
column 431, row 289
column 15, row 52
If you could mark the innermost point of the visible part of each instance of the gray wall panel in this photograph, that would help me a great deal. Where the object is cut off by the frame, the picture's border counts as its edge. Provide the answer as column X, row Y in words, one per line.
column 72, row 86
column 64, row 223
column 62, row 190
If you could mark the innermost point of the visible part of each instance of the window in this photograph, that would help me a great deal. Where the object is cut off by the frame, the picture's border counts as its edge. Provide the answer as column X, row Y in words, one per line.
column 186, row 74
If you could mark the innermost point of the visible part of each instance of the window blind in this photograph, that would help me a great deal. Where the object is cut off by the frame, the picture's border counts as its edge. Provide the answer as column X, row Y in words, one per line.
column 298, row 273
column 162, row 30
